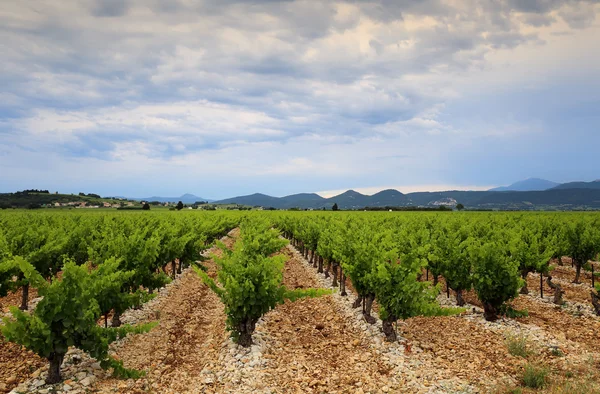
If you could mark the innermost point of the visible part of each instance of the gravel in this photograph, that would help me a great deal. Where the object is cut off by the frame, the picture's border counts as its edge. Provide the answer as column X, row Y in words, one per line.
column 410, row 372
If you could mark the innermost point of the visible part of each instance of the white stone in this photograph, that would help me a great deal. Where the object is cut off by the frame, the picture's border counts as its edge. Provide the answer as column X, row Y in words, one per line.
column 81, row 375
column 88, row 381
column 38, row 383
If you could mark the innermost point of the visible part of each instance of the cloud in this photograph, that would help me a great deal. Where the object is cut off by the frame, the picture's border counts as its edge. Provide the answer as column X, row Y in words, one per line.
column 110, row 8
column 317, row 90
column 578, row 16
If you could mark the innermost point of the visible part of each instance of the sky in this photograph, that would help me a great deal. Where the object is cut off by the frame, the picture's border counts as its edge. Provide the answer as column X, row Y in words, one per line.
column 223, row 98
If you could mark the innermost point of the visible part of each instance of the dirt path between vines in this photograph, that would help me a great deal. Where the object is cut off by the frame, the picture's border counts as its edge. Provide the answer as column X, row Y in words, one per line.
column 467, row 349
column 314, row 349
column 557, row 337
column 583, row 330
column 187, row 340
column 16, row 363
column 189, row 336
column 579, row 333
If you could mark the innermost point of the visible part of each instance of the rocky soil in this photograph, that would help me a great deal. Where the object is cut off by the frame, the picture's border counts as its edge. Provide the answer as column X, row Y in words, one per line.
column 565, row 338
column 314, row 347
column 14, row 299
column 320, row 345
column 16, row 363
column 410, row 369
column 190, row 335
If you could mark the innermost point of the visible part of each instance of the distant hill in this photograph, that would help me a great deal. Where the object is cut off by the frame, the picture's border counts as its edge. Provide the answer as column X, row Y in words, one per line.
column 256, row 199
column 554, row 198
column 568, row 196
column 532, row 184
column 388, row 197
column 301, row 200
column 186, row 199
column 26, row 199
column 448, row 198
column 563, row 199
column 350, row 200
column 580, row 185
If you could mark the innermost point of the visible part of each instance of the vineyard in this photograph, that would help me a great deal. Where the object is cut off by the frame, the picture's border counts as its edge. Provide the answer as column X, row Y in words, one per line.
column 285, row 302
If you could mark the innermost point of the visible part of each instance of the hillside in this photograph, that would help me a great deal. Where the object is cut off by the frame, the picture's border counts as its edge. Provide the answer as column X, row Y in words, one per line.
column 564, row 199
column 256, row 199
column 350, row 200
column 549, row 199
column 186, row 199
column 569, row 196
column 387, row 197
column 302, row 199
column 27, row 199
column 580, row 185
column 531, row 184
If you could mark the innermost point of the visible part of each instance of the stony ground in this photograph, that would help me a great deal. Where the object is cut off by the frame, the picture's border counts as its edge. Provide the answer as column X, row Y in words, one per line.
column 14, row 299
column 315, row 348
column 323, row 345
column 189, row 336
column 16, row 363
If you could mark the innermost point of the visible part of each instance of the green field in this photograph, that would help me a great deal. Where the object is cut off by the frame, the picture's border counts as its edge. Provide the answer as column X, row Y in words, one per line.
column 92, row 265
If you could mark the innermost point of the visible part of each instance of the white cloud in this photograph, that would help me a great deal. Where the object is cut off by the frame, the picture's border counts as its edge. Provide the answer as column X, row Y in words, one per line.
column 156, row 122
column 334, row 93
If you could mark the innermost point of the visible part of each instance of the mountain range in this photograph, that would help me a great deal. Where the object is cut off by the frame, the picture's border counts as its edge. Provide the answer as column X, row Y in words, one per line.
column 528, row 185
column 580, row 185
column 575, row 195
column 186, row 199
column 531, row 194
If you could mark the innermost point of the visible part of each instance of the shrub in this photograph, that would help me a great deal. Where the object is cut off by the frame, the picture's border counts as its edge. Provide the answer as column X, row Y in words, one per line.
column 517, row 346
column 556, row 352
column 251, row 281
column 400, row 295
column 527, row 246
column 534, row 376
column 496, row 276
column 65, row 317
column 582, row 238
column 450, row 255
column 509, row 311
